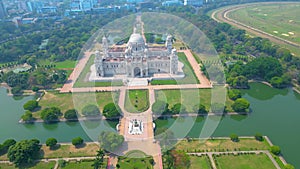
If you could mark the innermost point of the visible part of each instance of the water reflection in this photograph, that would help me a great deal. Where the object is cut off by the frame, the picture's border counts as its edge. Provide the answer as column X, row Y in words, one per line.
column 263, row 92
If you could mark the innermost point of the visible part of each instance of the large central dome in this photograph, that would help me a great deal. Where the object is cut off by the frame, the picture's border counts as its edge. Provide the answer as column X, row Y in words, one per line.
column 136, row 38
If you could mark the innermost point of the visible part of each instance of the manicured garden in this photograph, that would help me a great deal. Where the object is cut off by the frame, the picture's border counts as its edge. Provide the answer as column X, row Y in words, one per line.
column 136, row 163
column 189, row 98
column 244, row 161
column 200, row 162
column 221, row 145
column 137, row 101
column 40, row 165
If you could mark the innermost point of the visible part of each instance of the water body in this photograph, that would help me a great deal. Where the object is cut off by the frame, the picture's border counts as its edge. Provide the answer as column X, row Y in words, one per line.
column 275, row 113
column 11, row 110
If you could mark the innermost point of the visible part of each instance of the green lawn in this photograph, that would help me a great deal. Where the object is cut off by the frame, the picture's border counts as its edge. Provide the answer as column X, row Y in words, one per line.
column 67, row 64
column 137, row 101
column 190, row 77
column 66, row 101
column 40, row 165
column 281, row 20
column 222, row 145
column 200, row 162
column 189, row 98
column 249, row 161
column 81, row 165
column 135, row 163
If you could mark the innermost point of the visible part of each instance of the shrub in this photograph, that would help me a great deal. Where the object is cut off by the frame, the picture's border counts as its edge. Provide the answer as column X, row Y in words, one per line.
column 259, row 137
column 234, row 137
column 77, row 141
column 275, row 150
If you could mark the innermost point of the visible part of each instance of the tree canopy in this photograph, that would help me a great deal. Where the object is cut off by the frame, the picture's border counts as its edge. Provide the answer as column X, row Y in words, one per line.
column 241, row 105
column 77, row 141
column 111, row 110
column 31, row 105
column 71, row 115
column 90, row 110
column 50, row 115
column 51, row 142
column 24, row 152
column 110, row 140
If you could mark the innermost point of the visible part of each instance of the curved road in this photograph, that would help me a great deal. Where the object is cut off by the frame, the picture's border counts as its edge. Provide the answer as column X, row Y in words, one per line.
column 221, row 15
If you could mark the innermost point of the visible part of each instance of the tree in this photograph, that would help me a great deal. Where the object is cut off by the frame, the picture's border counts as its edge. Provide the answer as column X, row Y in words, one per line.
column 259, row 137
column 234, row 94
column 181, row 159
column 111, row 110
column 241, row 105
column 24, row 152
column 200, row 109
column 99, row 160
column 5, row 146
column 177, row 108
column 275, row 150
column 27, row 117
column 110, row 140
column 234, row 137
column 50, row 115
column 91, row 110
column 277, row 82
column 289, row 166
column 51, row 142
column 71, row 115
column 160, row 107
column 35, row 88
column 31, row 105
column 77, row 141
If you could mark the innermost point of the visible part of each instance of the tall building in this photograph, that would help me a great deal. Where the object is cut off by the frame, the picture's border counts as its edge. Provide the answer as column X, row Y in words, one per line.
column 193, row 2
column 3, row 12
column 82, row 5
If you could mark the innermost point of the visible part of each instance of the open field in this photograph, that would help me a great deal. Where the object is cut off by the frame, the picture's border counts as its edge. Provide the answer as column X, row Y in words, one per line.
column 88, row 150
column 190, row 77
column 40, row 165
column 281, row 20
column 222, row 145
column 65, row 101
column 277, row 21
column 78, row 165
column 137, row 101
column 189, row 98
column 200, row 162
column 249, row 161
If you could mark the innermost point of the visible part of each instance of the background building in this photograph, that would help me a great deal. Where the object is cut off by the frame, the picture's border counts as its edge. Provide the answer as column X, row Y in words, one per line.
column 193, row 2
column 3, row 12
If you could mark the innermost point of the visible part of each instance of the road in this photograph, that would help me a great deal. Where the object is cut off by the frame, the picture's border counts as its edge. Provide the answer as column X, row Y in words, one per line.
column 221, row 15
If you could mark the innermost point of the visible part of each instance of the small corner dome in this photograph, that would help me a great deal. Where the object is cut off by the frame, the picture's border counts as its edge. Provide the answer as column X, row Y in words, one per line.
column 136, row 38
